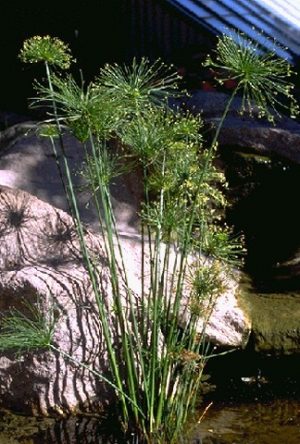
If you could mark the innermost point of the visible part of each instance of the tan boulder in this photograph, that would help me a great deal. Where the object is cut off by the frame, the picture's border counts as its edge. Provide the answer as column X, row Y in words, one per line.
column 40, row 262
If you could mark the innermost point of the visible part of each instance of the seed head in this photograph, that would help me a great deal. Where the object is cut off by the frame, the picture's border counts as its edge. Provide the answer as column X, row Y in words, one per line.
column 262, row 78
column 46, row 49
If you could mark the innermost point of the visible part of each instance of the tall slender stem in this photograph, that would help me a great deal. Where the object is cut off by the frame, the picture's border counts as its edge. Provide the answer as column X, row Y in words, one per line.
column 90, row 267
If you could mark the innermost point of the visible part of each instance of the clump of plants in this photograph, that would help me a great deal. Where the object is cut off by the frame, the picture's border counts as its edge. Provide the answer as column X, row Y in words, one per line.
column 155, row 366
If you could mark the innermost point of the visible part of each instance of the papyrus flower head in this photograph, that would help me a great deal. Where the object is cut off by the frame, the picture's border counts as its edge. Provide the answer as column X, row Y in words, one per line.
column 46, row 49
column 262, row 78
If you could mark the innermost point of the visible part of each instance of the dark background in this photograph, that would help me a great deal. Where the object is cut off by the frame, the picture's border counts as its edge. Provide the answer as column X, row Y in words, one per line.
column 92, row 28
column 97, row 31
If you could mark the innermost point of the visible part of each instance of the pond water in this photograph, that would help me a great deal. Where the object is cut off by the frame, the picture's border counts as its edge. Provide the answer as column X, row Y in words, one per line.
column 18, row 429
column 269, row 422
column 257, row 401
column 256, row 422
column 243, row 410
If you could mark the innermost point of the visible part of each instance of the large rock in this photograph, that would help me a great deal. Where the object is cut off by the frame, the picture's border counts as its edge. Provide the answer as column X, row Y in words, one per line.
column 225, row 320
column 40, row 262
column 27, row 162
column 230, row 323
column 243, row 131
column 275, row 328
column 282, row 140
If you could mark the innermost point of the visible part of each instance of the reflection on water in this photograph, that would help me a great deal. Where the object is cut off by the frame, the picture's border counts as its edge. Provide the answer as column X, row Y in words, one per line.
column 256, row 401
column 274, row 422
column 263, row 207
column 17, row 429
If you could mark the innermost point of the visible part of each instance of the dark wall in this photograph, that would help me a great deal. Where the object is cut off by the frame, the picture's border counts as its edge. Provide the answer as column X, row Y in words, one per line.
column 98, row 31
column 92, row 28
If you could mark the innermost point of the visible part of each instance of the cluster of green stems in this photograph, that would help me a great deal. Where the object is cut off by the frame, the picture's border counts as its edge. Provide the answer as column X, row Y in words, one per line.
column 155, row 367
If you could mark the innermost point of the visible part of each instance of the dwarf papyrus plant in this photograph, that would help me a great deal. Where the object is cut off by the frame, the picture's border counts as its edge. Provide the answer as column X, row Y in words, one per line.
column 262, row 78
column 155, row 365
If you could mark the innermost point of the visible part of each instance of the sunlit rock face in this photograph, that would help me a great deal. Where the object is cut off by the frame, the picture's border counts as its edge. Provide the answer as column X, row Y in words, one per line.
column 225, row 320
column 41, row 263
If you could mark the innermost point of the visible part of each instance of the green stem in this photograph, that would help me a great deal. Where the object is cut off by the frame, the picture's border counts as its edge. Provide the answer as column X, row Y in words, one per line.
column 114, row 272
column 157, row 298
column 171, row 336
column 90, row 268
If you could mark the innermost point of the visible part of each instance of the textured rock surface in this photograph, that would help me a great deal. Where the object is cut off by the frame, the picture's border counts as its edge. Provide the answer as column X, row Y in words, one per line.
column 282, row 140
column 226, row 321
column 230, row 323
column 27, row 162
column 40, row 262
column 276, row 328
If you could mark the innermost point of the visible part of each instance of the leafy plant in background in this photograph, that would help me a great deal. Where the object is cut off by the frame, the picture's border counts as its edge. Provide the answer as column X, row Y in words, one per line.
column 155, row 366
